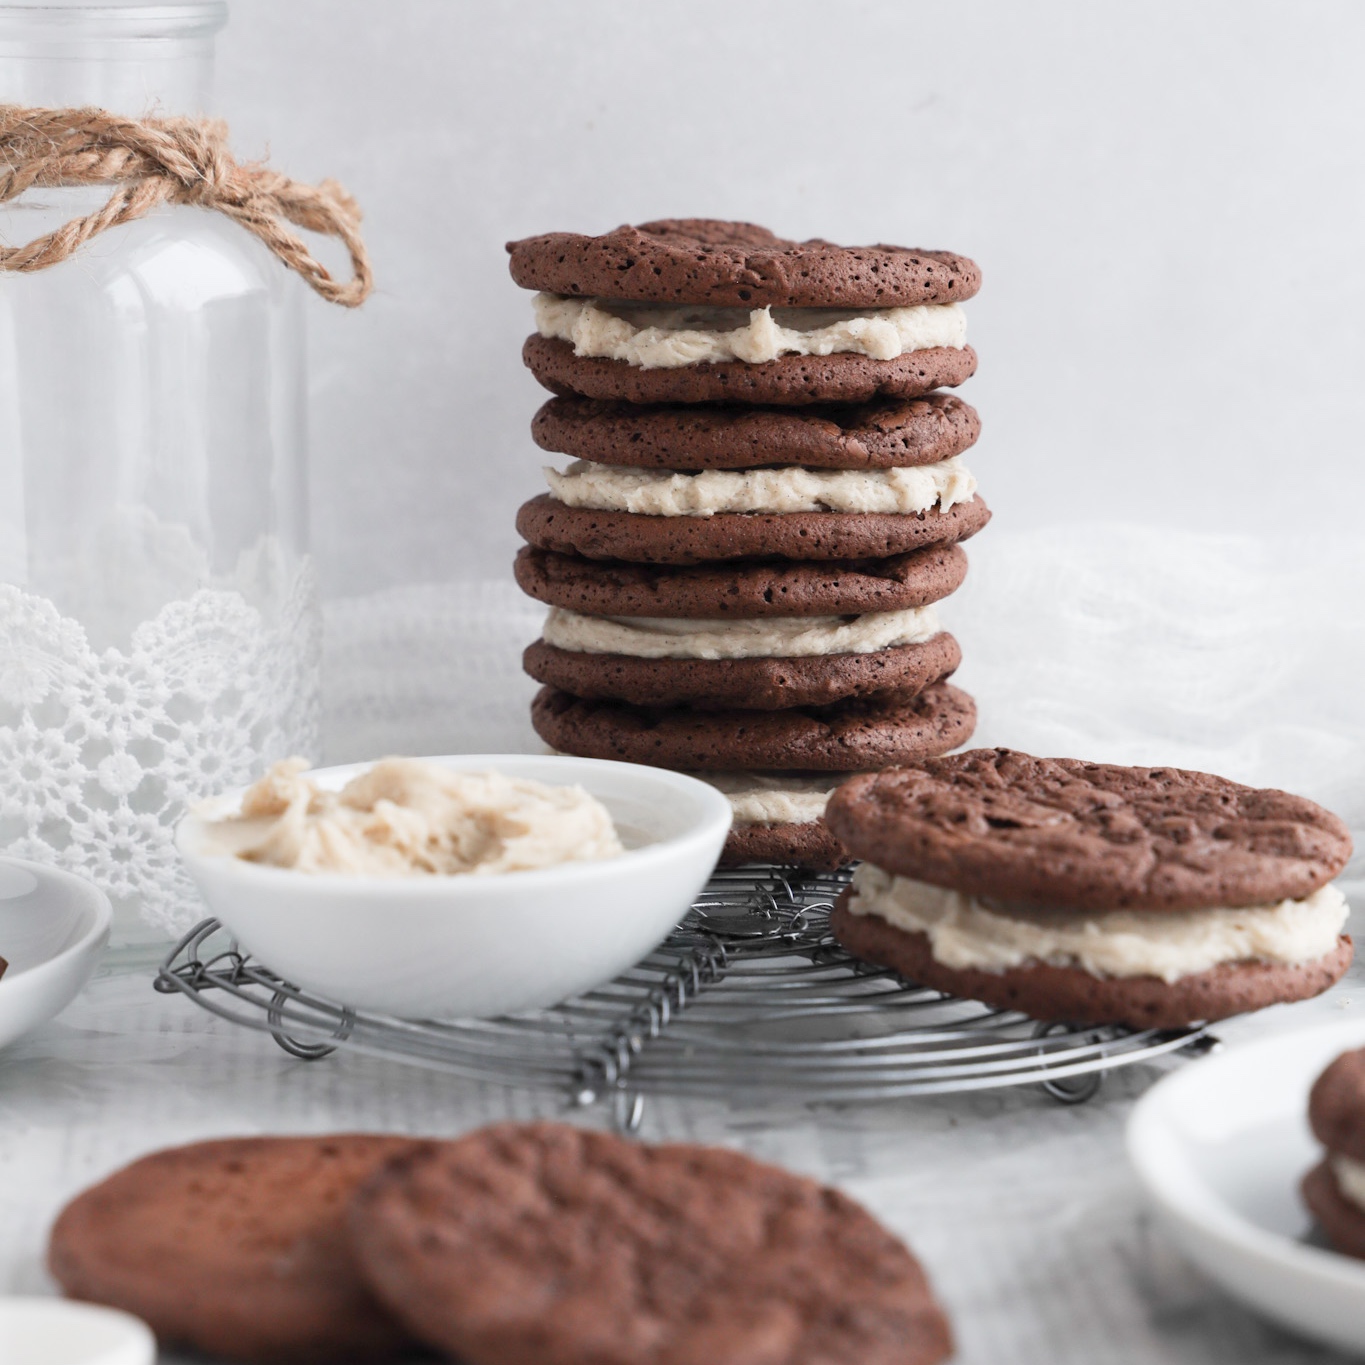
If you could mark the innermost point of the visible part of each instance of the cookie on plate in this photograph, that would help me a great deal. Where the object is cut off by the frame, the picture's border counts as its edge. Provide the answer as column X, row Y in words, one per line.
column 1092, row 893
column 885, row 434
column 850, row 736
column 706, row 311
column 1334, row 1190
column 236, row 1248
column 541, row 1242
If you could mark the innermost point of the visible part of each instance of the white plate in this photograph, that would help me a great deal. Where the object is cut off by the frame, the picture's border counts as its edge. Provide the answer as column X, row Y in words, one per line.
column 1221, row 1147
column 53, row 928
column 471, row 947
column 59, row 1332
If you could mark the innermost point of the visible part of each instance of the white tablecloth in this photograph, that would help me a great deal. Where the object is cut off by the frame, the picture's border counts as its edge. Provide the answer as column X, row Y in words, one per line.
column 1239, row 657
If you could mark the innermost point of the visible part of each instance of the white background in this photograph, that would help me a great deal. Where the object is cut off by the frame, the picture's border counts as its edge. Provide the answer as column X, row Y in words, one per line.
column 1166, row 200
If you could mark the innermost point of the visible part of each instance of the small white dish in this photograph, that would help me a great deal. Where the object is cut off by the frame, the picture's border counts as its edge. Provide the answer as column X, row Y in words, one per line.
column 1221, row 1147
column 53, row 928
column 60, row 1332
column 476, row 946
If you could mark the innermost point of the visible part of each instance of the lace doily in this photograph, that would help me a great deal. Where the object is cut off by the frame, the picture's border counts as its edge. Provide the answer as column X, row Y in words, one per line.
column 102, row 751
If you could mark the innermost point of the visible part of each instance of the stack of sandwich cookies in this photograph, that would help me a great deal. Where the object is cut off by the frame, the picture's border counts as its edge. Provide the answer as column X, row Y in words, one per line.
column 1334, row 1189
column 744, row 590
column 1090, row 893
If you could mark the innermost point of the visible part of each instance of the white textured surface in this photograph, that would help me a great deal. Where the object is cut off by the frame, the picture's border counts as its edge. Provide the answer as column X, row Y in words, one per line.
column 1236, row 654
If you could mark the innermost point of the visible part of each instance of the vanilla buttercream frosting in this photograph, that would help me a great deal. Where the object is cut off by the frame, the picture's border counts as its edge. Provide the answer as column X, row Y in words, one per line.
column 662, row 337
column 404, row 817
column 661, row 493
column 969, row 932
column 1350, row 1178
column 783, row 637
column 776, row 798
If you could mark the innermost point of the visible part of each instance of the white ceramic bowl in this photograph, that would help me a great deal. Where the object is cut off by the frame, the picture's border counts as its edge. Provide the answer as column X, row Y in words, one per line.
column 59, row 1332
column 53, row 928
column 477, row 946
column 1221, row 1147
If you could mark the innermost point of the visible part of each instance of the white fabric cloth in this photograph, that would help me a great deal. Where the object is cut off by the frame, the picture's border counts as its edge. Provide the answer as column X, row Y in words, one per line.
column 1235, row 655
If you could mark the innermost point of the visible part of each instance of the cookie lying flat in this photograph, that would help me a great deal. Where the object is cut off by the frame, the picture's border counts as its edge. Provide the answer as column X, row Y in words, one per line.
column 762, row 588
column 540, row 1244
column 809, row 844
column 1334, row 1190
column 1091, row 893
column 640, row 539
column 729, row 264
column 790, row 380
column 235, row 1248
column 762, row 684
column 848, row 737
column 884, row 434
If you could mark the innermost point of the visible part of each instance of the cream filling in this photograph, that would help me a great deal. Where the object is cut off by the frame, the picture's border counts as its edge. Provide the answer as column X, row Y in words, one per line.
column 662, row 337
column 405, row 818
column 775, row 798
column 967, row 932
column 780, row 637
column 660, row 493
column 1350, row 1179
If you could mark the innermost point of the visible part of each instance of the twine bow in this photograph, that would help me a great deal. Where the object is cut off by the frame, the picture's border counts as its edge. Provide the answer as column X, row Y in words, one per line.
column 155, row 161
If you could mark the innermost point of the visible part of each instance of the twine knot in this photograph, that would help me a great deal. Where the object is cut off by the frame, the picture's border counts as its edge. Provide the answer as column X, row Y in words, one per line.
column 155, row 161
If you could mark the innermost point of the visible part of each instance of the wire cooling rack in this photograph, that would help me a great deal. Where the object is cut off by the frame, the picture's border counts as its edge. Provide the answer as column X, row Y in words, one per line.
column 749, row 999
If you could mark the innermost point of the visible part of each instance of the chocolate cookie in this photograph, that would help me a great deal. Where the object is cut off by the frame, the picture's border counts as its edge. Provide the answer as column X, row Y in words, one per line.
column 545, row 1243
column 846, row 737
column 1336, row 1106
column 725, row 264
column 809, row 844
column 790, row 380
column 759, row 684
column 884, row 434
column 1072, row 995
column 761, row 588
column 1339, row 1218
column 235, row 1248
column 550, row 524
column 1070, row 835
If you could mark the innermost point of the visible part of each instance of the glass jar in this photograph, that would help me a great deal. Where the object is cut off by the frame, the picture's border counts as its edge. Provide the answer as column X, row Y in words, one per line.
column 159, row 624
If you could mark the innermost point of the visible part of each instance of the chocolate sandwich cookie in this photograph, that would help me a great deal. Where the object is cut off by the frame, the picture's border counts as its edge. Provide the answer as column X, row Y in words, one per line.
column 887, row 433
column 808, row 844
column 761, row 684
column 847, row 737
column 1092, row 893
column 235, row 1248
column 790, row 380
column 741, row 265
column 741, row 589
column 549, row 524
column 541, row 1242
column 1334, row 1190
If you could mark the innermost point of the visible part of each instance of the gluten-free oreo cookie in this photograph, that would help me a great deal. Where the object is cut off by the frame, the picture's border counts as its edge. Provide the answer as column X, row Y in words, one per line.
column 541, row 1242
column 1092, row 893
column 1060, row 833
column 728, row 264
column 763, row 684
column 848, row 737
column 637, row 538
column 236, row 1248
column 790, row 380
column 1334, row 1190
column 807, row 844
column 884, row 434
column 744, row 589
